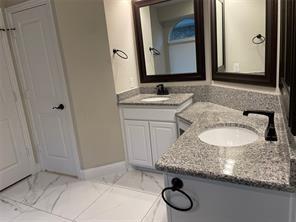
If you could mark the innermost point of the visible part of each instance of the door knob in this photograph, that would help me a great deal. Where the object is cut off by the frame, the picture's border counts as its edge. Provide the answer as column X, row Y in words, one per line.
column 60, row 107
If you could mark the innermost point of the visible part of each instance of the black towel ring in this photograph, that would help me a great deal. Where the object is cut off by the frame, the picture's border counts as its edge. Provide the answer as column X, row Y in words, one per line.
column 154, row 51
column 177, row 186
column 260, row 37
column 120, row 53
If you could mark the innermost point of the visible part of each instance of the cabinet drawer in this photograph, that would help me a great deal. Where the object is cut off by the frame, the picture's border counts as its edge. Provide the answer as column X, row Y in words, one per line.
column 153, row 114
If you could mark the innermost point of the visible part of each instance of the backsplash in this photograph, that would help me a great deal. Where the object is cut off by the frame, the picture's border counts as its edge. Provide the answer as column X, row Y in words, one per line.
column 243, row 99
column 233, row 98
column 127, row 94
column 200, row 92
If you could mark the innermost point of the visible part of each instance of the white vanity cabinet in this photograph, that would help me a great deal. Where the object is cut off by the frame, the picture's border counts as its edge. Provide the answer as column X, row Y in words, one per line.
column 182, row 126
column 148, row 131
column 215, row 201
column 137, row 136
column 162, row 135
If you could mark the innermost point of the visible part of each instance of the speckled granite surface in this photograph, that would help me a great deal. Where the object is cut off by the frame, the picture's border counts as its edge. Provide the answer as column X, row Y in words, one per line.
column 260, row 164
column 292, row 148
column 243, row 99
column 200, row 92
column 233, row 98
column 174, row 99
column 128, row 94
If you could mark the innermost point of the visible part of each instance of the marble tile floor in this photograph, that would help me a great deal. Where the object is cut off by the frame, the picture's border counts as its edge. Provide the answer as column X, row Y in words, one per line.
column 47, row 197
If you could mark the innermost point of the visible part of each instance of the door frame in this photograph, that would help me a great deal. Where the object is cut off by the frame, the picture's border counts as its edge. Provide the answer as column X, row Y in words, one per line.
column 34, row 167
column 60, row 62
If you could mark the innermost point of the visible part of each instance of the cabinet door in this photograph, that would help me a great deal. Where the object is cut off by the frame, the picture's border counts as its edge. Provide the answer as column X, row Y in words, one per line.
column 138, row 142
column 162, row 136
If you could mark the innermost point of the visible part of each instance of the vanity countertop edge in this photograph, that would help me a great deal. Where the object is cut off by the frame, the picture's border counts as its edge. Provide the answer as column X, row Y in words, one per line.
column 174, row 99
column 261, row 164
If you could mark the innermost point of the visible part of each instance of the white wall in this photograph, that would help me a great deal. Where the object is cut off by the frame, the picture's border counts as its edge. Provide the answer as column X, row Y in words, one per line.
column 83, row 37
column 219, row 22
column 119, row 20
column 173, row 14
column 243, row 20
column 182, row 57
column 159, row 41
column 120, row 27
column 157, row 21
column 179, row 57
column 145, row 17
column 175, row 11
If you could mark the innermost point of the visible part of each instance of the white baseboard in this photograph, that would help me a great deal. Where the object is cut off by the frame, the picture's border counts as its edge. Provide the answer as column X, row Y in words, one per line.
column 119, row 167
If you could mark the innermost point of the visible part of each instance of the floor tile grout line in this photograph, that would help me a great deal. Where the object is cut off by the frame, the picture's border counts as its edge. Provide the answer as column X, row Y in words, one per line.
column 128, row 188
column 50, row 213
column 109, row 188
column 114, row 185
column 99, row 180
column 137, row 190
column 14, row 218
column 131, row 188
column 37, row 209
column 150, row 208
column 101, row 183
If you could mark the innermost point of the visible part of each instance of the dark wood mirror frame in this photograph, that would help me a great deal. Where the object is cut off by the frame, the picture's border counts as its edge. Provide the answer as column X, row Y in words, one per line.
column 288, row 62
column 269, row 79
column 199, row 42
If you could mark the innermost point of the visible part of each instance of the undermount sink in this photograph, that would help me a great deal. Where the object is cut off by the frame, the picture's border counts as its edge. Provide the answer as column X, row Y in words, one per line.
column 155, row 99
column 228, row 136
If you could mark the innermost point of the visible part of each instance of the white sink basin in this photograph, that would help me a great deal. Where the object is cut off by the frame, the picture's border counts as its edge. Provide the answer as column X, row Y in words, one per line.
column 228, row 136
column 155, row 99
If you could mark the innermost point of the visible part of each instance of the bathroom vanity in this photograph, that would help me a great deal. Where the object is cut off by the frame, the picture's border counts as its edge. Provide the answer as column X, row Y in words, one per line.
column 228, row 182
column 149, row 125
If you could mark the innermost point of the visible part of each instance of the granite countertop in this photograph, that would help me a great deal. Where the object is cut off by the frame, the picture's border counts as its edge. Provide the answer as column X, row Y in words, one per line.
column 174, row 99
column 260, row 164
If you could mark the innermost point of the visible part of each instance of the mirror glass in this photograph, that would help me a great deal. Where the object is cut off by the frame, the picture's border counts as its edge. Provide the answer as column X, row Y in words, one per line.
column 169, row 32
column 241, row 33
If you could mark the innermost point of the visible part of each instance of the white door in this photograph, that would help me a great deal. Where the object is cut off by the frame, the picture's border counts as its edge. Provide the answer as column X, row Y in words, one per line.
column 14, row 156
column 138, row 142
column 43, row 84
column 163, row 135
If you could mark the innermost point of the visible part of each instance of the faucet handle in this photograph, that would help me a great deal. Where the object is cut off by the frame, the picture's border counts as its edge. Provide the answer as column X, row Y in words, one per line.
column 160, row 86
column 160, row 89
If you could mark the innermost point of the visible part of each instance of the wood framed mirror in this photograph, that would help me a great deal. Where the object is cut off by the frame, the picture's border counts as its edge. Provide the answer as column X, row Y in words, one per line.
column 170, row 40
column 288, row 62
column 244, row 41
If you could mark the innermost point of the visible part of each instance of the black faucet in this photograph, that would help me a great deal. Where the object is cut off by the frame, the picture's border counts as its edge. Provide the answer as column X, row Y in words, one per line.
column 270, row 132
column 161, row 90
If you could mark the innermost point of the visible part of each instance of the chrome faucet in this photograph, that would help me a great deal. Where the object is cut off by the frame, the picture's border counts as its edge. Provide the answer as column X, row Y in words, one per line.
column 270, row 132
